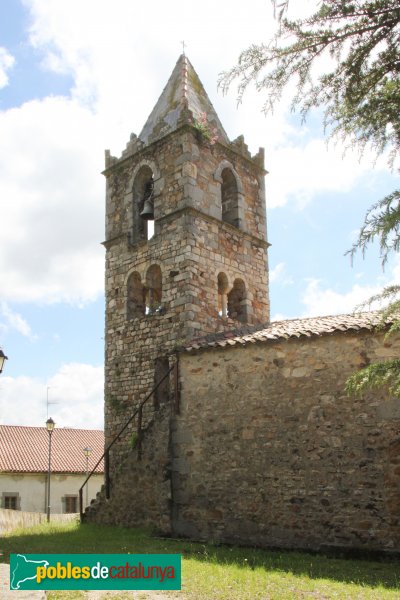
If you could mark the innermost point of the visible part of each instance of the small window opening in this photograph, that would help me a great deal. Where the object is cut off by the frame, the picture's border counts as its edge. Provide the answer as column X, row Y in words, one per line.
column 11, row 501
column 237, row 302
column 162, row 393
column 71, row 504
column 136, row 306
column 229, row 198
column 153, row 290
column 222, row 295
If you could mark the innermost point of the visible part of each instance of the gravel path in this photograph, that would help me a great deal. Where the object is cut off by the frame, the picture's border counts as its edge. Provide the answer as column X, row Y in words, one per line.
column 7, row 594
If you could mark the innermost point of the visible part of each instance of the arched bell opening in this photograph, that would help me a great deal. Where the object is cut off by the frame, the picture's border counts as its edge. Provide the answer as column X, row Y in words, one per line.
column 237, row 302
column 229, row 198
column 143, row 205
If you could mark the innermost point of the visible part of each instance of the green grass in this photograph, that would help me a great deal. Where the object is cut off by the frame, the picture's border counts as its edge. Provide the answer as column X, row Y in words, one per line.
column 219, row 572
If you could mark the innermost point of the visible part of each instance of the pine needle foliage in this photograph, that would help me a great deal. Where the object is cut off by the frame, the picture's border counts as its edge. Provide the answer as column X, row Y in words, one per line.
column 360, row 93
column 383, row 374
column 382, row 222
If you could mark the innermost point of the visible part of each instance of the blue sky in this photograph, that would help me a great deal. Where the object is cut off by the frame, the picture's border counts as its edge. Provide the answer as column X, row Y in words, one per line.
column 79, row 77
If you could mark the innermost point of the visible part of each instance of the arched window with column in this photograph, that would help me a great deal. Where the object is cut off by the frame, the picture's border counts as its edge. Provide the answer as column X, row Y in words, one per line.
column 136, row 301
column 237, row 302
column 153, row 289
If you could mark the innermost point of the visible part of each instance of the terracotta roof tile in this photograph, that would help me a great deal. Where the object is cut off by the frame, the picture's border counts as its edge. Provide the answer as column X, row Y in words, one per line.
column 291, row 328
column 25, row 449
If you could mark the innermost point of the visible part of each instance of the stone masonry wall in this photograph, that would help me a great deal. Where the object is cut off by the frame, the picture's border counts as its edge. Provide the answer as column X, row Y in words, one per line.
column 141, row 483
column 268, row 449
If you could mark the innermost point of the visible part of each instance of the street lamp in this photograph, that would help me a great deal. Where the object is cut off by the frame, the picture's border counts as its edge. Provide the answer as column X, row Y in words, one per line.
column 87, row 452
column 3, row 358
column 50, row 428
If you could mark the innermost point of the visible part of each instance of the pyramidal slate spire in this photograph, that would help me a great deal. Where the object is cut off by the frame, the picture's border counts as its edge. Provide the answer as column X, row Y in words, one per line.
column 183, row 100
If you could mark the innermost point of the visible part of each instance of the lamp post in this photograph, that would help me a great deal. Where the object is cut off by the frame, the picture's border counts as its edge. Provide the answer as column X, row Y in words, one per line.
column 50, row 428
column 87, row 452
column 3, row 358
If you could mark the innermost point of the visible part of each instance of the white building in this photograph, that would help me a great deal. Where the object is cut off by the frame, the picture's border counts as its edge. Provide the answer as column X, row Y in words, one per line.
column 24, row 456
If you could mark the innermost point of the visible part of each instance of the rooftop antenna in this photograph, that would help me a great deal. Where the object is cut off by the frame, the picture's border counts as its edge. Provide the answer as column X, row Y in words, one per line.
column 48, row 401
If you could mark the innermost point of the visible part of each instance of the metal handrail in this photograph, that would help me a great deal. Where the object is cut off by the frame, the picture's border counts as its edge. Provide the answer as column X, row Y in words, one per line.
column 106, row 454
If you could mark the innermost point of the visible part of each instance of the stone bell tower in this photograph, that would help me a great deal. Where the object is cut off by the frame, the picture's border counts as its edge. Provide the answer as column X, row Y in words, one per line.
column 185, row 239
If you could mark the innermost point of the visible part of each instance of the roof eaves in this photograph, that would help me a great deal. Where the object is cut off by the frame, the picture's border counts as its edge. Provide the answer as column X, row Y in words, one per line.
column 290, row 329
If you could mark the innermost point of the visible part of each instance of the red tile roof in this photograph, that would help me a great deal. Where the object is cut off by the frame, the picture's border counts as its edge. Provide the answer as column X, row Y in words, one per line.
column 26, row 449
column 293, row 328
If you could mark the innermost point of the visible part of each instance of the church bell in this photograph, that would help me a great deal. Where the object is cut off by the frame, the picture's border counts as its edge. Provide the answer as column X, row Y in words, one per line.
column 148, row 210
column 148, row 205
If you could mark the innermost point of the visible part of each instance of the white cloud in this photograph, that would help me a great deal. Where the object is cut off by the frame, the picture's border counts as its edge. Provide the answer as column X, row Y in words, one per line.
column 14, row 321
column 6, row 63
column 278, row 317
column 275, row 273
column 76, row 397
column 300, row 171
column 52, row 212
column 278, row 275
column 320, row 300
